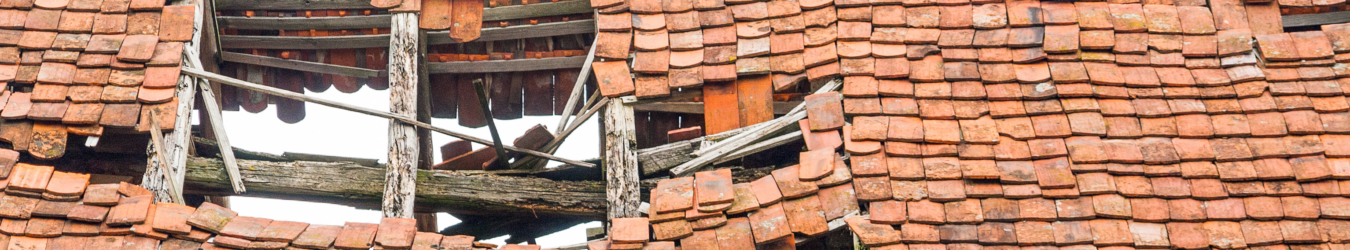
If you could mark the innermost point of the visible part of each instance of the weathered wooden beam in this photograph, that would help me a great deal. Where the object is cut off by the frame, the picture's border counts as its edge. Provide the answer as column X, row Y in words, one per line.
column 577, row 88
column 656, row 159
column 401, row 173
column 779, row 108
column 373, row 41
column 178, row 143
column 1315, row 19
column 292, row 4
column 217, row 123
column 300, row 65
column 303, row 23
column 437, row 191
column 517, row 65
column 621, row 163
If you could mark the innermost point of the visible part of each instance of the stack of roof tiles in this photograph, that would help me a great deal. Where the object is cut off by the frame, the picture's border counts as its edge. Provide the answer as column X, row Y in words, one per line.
column 1158, row 124
column 78, row 66
column 46, row 209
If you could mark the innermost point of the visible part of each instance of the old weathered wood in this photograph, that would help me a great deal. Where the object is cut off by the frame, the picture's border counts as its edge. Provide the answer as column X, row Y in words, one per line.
column 218, row 129
column 576, row 89
column 552, row 146
column 513, row 12
column 178, row 143
column 621, row 165
column 779, row 108
column 761, row 146
column 656, row 159
column 1315, row 19
column 498, row 66
column 292, row 156
column 292, row 95
column 303, row 23
column 157, row 140
column 482, row 93
column 401, row 172
column 300, row 65
column 370, row 41
column 438, row 191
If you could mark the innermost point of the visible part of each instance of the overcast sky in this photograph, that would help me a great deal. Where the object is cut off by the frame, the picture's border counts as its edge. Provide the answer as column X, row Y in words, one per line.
column 329, row 131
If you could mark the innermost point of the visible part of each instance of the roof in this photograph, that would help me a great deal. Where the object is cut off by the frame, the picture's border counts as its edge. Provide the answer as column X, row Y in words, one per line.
column 43, row 208
column 80, row 66
column 993, row 124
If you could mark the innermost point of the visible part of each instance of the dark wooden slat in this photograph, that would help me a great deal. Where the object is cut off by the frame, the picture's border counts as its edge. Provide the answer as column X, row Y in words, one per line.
column 373, row 41
column 516, row 65
column 1316, row 19
column 292, row 4
column 301, row 23
column 537, row 10
column 298, row 65
column 779, row 108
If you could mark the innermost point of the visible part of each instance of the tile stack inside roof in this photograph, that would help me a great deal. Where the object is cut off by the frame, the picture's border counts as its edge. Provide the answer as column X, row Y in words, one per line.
column 1156, row 124
column 78, row 66
column 45, row 209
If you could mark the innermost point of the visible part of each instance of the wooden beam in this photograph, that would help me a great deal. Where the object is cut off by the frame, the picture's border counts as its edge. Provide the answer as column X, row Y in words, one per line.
column 621, row 163
column 517, row 65
column 303, row 23
column 1316, row 19
column 779, row 108
column 292, row 4
column 482, row 94
column 372, row 41
column 301, row 97
column 437, row 191
column 178, row 143
column 401, row 173
column 157, row 140
column 300, row 65
column 213, row 116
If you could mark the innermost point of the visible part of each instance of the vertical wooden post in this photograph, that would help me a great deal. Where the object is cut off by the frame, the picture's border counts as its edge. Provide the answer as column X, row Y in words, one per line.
column 426, row 222
column 401, row 172
column 177, row 143
column 621, row 165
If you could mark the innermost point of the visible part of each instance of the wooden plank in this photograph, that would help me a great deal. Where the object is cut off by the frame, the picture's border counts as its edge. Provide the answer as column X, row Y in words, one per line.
column 623, row 195
column 213, row 116
column 438, row 37
column 303, row 23
column 292, row 4
column 779, row 108
column 360, row 186
column 720, row 105
column 754, row 94
column 401, row 173
column 501, row 156
column 1316, row 19
column 516, row 65
column 300, row 65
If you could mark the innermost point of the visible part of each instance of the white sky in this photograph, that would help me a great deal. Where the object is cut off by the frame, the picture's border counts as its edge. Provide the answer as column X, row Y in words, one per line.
column 329, row 131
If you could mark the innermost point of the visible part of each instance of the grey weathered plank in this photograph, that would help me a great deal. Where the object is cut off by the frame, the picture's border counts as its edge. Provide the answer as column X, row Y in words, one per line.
column 351, row 184
column 292, row 4
column 377, row 41
column 1316, row 19
column 298, row 65
column 303, row 23
column 517, row 65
